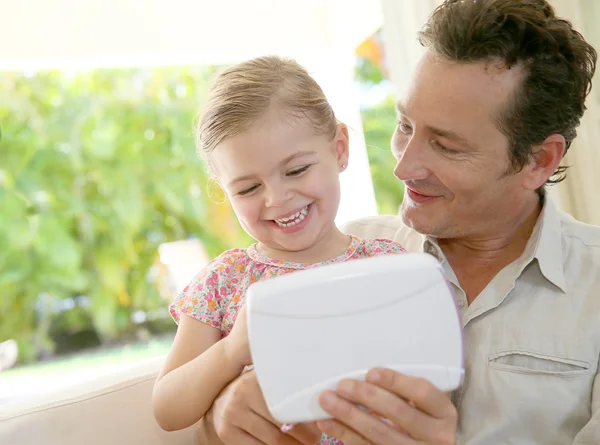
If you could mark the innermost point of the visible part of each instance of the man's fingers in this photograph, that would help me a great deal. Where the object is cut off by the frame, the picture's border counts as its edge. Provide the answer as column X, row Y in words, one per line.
column 306, row 433
column 257, row 420
column 341, row 432
column 421, row 392
column 241, row 437
column 366, row 428
column 401, row 414
column 266, row 432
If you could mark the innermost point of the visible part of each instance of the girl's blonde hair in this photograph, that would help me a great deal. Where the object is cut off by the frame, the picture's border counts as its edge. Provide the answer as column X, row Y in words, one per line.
column 245, row 92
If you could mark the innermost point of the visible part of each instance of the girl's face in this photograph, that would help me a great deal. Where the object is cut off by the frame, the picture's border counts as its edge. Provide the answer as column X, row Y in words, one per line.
column 283, row 181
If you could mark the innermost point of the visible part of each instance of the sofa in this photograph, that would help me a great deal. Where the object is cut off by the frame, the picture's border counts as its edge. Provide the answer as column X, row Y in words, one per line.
column 114, row 409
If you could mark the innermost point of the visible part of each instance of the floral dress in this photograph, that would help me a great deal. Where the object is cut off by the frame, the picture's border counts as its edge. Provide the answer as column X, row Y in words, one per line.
column 217, row 293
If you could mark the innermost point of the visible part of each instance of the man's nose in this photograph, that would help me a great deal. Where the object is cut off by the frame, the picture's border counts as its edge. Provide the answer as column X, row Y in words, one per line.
column 411, row 164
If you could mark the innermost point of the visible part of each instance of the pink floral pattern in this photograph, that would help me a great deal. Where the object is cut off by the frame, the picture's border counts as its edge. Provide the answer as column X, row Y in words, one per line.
column 217, row 293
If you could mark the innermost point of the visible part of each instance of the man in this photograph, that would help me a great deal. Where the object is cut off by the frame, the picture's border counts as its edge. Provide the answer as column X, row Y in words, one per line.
column 492, row 109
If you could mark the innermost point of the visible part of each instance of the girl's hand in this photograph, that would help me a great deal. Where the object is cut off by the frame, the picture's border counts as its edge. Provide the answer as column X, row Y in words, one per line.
column 237, row 348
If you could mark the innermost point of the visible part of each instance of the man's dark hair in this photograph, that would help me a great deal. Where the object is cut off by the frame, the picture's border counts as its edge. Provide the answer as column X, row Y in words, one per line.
column 557, row 62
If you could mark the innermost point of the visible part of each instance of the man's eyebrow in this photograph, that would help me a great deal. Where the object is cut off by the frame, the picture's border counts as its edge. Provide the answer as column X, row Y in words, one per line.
column 285, row 161
column 452, row 136
column 400, row 108
column 448, row 134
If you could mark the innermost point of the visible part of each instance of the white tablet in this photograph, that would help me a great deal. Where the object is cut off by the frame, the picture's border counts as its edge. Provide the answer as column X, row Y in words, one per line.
column 311, row 328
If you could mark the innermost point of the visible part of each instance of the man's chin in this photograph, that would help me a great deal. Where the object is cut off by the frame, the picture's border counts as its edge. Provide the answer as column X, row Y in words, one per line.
column 412, row 219
column 419, row 222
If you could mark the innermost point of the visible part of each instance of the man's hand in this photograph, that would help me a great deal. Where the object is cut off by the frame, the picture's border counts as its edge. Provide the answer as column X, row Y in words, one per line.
column 239, row 416
column 418, row 412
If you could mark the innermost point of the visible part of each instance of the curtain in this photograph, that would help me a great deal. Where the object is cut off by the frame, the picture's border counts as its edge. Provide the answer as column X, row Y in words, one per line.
column 578, row 194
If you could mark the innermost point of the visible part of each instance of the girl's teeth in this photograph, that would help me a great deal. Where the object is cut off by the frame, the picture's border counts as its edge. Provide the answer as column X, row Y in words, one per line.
column 293, row 219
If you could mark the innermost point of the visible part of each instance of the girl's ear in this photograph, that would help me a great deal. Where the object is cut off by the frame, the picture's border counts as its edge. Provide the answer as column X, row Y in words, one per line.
column 342, row 146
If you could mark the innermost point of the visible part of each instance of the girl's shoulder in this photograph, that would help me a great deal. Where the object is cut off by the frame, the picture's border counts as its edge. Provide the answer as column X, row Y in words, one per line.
column 379, row 246
column 211, row 290
column 232, row 256
column 231, row 262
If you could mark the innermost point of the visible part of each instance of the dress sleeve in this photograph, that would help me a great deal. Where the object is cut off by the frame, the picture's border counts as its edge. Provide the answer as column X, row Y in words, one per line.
column 207, row 294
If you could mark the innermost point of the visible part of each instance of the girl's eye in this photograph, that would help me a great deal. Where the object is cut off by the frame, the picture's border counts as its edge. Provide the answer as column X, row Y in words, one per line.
column 298, row 171
column 248, row 190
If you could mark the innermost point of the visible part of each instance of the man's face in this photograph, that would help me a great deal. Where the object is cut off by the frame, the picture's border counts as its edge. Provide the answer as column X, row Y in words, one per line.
column 452, row 158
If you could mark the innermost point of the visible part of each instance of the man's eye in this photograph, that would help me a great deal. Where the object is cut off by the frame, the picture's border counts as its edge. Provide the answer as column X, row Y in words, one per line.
column 248, row 190
column 443, row 148
column 404, row 128
column 298, row 171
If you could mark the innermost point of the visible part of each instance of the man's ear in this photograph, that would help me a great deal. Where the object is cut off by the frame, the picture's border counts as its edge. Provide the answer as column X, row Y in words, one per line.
column 342, row 146
column 546, row 159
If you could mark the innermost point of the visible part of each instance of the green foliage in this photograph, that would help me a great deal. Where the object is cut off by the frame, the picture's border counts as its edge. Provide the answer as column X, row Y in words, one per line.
column 367, row 72
column 96, row 170
column 379, row 123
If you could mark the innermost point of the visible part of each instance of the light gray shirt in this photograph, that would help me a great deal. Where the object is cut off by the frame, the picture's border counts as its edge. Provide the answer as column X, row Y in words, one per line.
column 532, row 336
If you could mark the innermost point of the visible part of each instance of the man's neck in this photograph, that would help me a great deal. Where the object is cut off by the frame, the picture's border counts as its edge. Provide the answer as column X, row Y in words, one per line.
column 477, row 259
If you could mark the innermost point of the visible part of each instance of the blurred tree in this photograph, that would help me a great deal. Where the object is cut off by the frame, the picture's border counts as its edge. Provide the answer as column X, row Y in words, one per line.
column 379, row 123
column 371, row 63
column 96, row 170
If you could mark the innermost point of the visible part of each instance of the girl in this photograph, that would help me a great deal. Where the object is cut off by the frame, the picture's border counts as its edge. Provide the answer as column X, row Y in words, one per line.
column 274, row 146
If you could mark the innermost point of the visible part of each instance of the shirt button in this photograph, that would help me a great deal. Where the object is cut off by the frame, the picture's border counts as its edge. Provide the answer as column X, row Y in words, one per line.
column 461, row 304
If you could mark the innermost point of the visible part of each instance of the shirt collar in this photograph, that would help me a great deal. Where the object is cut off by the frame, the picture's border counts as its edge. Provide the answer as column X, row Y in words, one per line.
column 431, row 247
column 544, row 245
column 549, row 249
